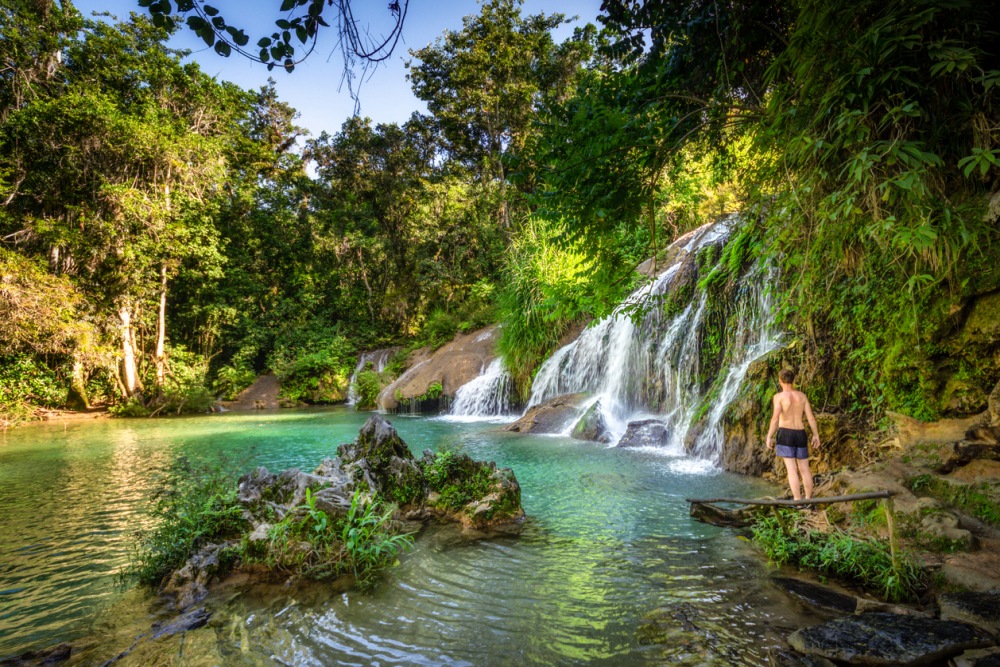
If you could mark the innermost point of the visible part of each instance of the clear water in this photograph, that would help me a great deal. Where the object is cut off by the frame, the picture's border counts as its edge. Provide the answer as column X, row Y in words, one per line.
column 608, row 547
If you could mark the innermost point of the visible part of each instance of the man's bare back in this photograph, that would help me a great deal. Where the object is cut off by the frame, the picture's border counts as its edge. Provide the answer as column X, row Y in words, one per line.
column 792, row 406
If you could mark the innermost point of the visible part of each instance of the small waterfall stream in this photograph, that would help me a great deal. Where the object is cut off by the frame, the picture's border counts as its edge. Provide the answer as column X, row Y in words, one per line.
column 486, row 396
column 378, row 359
column 651, row 366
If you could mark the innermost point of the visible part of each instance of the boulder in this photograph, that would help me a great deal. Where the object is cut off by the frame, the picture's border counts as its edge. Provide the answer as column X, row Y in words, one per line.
column 453, row 365
column 817, row 595
column 592, row 426
column 553, row 416
column 982, row 609
column 718, row 516
column 889, row 639
column 192, row 620
column 984, row 657
column 381, row 461
column 52, row 655
column 189, row 584
column 644, row 433
column 993, row 403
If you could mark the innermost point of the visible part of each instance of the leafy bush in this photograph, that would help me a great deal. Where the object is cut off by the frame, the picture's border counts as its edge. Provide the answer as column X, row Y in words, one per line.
column 440, row 327
column 26, row 378
column 231, row 380
column 368, row 385
column 863, row 561
column 193, row 505
column 319, row 375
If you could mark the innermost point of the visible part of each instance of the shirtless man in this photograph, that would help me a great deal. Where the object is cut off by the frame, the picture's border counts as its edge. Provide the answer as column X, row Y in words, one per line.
column 793, row 448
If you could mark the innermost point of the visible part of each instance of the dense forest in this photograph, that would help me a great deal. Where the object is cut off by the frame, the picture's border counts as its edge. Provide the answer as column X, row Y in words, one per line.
column 166, row 237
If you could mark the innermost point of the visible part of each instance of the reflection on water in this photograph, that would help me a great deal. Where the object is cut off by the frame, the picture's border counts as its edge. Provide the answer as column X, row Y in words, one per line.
column 609, row 569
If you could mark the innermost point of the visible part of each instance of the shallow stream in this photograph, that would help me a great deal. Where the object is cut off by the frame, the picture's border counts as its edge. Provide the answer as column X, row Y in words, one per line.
column 609, row 570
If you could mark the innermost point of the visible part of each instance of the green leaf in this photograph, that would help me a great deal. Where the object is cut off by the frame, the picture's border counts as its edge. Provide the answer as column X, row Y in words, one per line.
column 287, row 5
column 223, row 49
column 283, row 24
column 301, row 33
column 211, row 11
column 264, row 42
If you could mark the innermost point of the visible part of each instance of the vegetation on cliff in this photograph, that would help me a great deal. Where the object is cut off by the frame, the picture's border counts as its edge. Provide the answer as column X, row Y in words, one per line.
column 164, row 268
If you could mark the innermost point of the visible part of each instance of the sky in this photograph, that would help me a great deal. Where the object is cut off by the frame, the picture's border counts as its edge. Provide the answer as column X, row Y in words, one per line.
column 312, row 88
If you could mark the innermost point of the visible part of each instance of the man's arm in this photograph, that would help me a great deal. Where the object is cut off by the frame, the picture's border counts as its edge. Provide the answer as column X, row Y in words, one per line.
column 812, row 424
column 774, row 422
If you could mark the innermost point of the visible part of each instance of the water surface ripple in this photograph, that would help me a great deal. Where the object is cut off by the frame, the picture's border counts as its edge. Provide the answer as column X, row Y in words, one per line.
column 609, row 568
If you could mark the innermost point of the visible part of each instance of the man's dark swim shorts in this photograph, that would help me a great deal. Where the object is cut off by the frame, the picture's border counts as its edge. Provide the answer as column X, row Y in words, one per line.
column 792, row 443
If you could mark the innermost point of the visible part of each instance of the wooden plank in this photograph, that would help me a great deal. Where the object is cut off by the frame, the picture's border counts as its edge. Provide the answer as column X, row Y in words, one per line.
column 798, row 503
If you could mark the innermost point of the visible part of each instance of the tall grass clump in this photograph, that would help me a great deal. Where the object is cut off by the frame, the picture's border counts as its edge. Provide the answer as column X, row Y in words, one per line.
column 863, row 561
column 543, row 292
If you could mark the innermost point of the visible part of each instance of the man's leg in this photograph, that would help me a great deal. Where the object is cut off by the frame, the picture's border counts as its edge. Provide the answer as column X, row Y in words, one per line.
column 793, row 477
column 807, row 476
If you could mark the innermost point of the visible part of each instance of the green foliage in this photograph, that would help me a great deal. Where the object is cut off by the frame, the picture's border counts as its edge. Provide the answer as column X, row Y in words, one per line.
column 131, row 407
column 858, row 560
column 371, row 544
column 192, row 506
column 231, row 380
column 318, row 374
column 458, row 479
column 980, row 500
column 368, row 384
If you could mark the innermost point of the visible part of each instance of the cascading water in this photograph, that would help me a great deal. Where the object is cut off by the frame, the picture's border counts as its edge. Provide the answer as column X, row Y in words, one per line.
column 378, row 359
column 651, row 366
column 486, row 396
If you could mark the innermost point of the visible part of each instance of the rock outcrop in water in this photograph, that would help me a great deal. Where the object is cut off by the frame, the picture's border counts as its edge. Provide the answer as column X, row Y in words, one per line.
column 445, row 486
column 434, row 376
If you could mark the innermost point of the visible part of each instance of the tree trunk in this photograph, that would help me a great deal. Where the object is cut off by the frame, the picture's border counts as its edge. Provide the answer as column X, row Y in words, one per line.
column 78, row 387
column 129, row 370
column 161, row 331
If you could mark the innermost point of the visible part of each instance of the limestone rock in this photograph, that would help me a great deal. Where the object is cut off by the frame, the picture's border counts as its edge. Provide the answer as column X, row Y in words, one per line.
column 189, row 583
column 889, row 639
column 644, row 433
column 453, row 365
column 52, row 655
column 191, row 620
column 985, row 657
column 592, row 426
column 817, row 595
column 717, row 516
column 982, row 609
column 553, row 416
column 943, row 526
column 381, row 460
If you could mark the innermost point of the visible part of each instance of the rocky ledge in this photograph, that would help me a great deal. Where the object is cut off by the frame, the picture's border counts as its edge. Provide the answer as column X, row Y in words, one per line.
column 303, row 523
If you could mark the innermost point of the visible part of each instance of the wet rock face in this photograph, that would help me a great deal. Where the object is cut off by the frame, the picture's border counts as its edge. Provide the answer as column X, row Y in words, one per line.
column 553, row 416
column 381, row 460
column 592, row 426
column 982, row 609
column 889, row 639
column 645, row 433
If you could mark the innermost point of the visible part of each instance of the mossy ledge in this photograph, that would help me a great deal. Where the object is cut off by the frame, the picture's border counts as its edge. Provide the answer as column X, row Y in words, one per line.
column 347, row 521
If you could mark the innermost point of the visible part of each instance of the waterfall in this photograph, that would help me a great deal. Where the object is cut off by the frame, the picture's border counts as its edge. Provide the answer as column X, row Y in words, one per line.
column 378, row 359
column 486, row 396
column 650, row 365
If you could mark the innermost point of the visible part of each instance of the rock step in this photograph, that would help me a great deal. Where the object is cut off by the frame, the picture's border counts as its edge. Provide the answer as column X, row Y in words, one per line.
column 889, row 639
